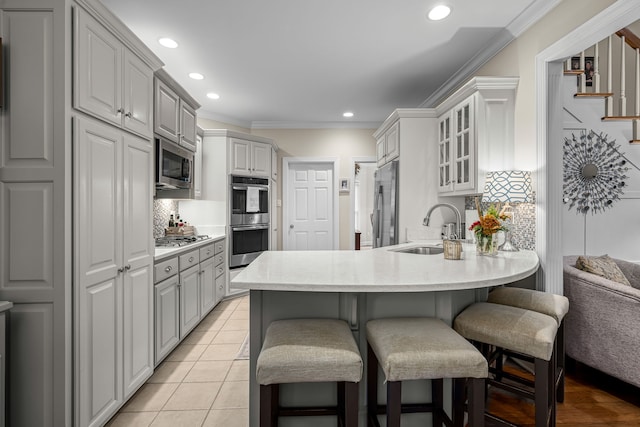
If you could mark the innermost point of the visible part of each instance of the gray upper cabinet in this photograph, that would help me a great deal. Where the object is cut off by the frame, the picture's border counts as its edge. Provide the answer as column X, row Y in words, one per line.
column 174, row 112
column 167, row 112
column 110, row 82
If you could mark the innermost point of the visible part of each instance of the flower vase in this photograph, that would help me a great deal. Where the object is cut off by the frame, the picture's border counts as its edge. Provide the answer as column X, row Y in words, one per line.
column 487, row 245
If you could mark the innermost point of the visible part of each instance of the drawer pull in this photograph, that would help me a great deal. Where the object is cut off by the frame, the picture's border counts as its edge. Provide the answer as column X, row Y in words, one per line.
column 168, row 269
column 190, row 259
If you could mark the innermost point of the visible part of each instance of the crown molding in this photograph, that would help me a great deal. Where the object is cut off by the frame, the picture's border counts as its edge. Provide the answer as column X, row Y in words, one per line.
column 405, row 113
column 227, row 133
column 532, row 14
column 110, row 21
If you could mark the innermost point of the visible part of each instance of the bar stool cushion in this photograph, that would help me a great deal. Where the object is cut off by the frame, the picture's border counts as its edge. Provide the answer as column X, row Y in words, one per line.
column 308, row 350
column 423, row 348
column 552, row 305
column 517, row 329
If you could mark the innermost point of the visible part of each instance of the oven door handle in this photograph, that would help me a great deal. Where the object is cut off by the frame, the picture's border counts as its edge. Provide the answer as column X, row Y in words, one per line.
column 250, row 227
column 244, row 187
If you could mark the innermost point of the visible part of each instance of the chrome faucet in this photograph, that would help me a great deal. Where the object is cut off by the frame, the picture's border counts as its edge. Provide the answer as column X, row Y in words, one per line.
column 454, row 209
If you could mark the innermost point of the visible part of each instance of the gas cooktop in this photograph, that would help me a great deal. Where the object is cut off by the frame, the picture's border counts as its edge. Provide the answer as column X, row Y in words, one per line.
column 177, row 241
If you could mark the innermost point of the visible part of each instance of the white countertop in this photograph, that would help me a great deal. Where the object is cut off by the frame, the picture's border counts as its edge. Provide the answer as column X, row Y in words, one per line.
column 167, row 252
column 383, row 270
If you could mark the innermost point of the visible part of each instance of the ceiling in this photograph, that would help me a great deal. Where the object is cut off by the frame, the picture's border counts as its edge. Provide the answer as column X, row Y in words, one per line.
column 302, row 63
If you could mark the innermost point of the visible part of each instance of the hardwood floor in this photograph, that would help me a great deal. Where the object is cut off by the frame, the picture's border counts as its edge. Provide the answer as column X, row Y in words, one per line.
column 592, row 399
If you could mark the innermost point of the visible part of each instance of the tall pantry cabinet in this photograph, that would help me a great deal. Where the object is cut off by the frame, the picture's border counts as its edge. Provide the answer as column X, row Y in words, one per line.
column 76, row 247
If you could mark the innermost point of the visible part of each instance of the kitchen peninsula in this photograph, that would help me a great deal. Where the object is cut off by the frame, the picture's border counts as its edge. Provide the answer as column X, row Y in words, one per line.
column 357, row 286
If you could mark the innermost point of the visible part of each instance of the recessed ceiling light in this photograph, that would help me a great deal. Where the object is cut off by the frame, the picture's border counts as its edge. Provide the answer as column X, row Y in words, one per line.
column 196, row 76
column 167, row 42
column 347, row 114
column 213, row 95
column 439, row 12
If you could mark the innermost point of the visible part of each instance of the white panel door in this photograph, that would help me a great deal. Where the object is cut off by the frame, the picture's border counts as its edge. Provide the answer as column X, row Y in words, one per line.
column 310, row 207
column 187, row 135
column 260, row 159
column 167, row 316
column 138, row 328
column 189, row 299
column 166, row 112
column 98, row 70
column 207, row 286
column 240, row 157
column 138, row 95
column 98, row 168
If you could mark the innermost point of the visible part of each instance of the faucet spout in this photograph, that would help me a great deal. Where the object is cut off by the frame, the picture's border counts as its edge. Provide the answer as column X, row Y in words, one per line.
column 455, row 211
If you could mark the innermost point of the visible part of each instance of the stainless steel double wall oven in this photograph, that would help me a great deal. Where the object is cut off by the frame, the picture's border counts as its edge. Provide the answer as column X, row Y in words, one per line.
column 249, row 219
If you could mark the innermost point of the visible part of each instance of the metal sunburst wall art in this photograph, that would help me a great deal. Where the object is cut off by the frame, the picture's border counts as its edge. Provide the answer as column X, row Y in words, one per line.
column 594, row 172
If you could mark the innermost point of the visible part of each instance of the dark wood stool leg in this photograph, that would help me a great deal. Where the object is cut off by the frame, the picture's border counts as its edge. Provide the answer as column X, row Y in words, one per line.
column 351, row 404
column 476, row 402
column 459, row 397
column 542, row 390
column 437, row 399
column 372, row 387
column 269, row 401
column 340, row 386
column 560, row 354
column 394, row 403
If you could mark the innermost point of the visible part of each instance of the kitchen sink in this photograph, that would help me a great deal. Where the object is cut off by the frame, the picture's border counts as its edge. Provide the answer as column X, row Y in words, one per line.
column 422, row 250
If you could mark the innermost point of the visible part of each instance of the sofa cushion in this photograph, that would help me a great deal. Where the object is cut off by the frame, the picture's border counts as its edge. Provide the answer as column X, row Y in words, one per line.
column 603, row 266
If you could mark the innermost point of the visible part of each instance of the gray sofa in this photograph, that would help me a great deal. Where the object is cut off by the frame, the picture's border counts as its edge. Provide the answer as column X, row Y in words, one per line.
column 602, row 328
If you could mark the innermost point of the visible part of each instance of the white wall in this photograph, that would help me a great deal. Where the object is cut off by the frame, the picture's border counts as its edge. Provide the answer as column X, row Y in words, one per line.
column 341, row 143
column 616, row 230
column 517, row 59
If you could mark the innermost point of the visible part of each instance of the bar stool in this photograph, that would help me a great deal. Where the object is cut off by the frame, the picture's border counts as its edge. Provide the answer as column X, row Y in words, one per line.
column 418, row 349
column 556, row 306
column 522, row 331
column 308, row 351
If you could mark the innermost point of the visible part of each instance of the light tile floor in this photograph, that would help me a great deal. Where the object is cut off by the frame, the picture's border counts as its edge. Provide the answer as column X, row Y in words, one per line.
column 200, row 384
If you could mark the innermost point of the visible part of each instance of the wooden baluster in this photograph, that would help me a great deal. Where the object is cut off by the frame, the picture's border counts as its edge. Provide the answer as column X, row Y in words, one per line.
column 596, row 68
column 623, row 74
column 609, row 103
column 583, row 76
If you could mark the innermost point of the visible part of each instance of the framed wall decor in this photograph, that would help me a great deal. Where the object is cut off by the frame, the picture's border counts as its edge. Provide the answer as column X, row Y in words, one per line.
column 345, row 185
column 588, row 68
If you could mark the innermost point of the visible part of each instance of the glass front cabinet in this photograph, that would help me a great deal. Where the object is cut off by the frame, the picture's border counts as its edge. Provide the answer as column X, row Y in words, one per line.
column 456, row 148
column 475, row 134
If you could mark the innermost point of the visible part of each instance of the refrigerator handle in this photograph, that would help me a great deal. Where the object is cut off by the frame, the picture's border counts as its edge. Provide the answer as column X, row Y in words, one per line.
column 376, row 222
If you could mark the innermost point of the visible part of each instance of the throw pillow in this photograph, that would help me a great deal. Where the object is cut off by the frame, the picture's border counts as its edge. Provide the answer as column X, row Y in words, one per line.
column 603, row 266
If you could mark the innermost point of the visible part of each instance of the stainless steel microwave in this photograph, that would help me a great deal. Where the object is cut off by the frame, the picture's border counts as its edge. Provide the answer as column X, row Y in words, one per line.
column 174, row 166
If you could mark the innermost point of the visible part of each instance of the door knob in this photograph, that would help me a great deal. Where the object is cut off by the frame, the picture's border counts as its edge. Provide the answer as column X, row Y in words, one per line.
column 291, row 226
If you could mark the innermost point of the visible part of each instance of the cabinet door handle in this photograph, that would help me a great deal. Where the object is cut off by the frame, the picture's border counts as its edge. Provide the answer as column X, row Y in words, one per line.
column 128, row 115
column 168, row 269
column 120, row 110
column 127, row 267
column 121, row 270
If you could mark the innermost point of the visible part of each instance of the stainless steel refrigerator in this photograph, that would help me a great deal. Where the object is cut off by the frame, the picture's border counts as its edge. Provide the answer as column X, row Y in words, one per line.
column 385, row 206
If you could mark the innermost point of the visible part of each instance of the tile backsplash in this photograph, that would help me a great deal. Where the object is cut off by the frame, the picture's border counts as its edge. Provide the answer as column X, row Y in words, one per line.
column 162, row 209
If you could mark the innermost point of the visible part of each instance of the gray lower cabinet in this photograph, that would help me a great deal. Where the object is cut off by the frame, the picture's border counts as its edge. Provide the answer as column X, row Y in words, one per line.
column 187, row 287
column 167, row 327
column 207, row 286
column 189, row 300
